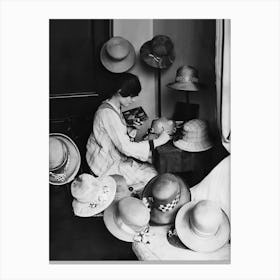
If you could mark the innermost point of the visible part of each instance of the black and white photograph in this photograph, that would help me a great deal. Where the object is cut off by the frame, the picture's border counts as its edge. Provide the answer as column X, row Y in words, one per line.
column 139, row 139
column 139, row 143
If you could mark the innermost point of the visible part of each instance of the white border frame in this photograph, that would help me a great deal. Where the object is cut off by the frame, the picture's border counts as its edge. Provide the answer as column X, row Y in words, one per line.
column 24, row 139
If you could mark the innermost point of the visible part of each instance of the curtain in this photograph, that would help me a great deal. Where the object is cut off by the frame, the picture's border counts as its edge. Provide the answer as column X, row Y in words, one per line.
column 222, row 66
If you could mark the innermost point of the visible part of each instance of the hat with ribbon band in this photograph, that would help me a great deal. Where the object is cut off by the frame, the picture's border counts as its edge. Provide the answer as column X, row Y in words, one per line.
column 128, row 220
column 164, row 195
column 202, row 226
column 92, row 195
column 117, row 55
column 64, row 159
column 158, row 52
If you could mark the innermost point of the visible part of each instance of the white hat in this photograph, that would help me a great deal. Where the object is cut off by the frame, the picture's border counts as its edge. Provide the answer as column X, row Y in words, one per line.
column 64, row 159
column 117, row 55
column 127, row 219
column 92, row 195
column 195, row 137
column 202, row 226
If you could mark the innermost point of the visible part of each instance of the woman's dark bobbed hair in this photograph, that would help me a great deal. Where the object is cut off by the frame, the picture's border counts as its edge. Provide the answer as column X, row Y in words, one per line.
column 127, row 84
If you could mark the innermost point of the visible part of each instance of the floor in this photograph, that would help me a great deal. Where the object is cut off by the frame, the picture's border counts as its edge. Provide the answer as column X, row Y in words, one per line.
column 73, row 238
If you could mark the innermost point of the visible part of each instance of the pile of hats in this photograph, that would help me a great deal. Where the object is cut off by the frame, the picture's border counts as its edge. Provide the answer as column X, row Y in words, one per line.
column 201, row 226
column 194, row 137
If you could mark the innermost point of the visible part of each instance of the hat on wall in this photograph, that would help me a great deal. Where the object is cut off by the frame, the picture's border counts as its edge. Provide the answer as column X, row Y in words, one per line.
column 186, row 79
column 164, row 195
column 158, row 52
column 127, row 219
column 202, row 226
column 117, row 55
column 195, row 137
column 92, row 195
column 64, row 159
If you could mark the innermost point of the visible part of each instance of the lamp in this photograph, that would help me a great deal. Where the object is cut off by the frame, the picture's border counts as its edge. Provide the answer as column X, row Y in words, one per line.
column 186, row 81
column 159, row 54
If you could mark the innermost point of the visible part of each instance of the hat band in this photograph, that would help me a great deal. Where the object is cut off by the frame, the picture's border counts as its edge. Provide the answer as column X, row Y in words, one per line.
column 138, row 235
column 149, row 201
column 60, row 175
column 184, row 79
column 200, row 233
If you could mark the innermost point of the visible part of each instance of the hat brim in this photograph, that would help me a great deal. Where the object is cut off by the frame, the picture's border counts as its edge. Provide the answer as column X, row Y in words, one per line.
column 165, row 218
column 83, row 209
column 74, row 161
column 147, row 56
column 111, row 225
column 195, row 242
column 190, row 86
column 193, row 146
column 118, row 66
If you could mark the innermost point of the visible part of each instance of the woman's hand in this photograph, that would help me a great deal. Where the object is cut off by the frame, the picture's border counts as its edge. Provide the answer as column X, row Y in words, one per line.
column 163, row 138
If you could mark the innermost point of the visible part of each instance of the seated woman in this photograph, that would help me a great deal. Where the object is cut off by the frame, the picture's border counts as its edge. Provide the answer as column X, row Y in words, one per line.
column 110, row 149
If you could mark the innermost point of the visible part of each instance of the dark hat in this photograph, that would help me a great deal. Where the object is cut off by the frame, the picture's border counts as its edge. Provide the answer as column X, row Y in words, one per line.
column 159, row 52
column 164, row 195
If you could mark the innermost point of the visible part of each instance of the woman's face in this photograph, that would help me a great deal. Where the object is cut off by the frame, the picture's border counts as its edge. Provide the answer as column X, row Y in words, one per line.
column 126, row 101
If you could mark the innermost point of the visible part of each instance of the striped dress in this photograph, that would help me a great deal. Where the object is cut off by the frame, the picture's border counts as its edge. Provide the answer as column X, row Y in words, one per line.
column 111, row 151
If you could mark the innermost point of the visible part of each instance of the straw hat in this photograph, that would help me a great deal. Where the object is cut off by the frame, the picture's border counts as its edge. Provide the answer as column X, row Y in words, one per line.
column 186, row 79
column 127, row 219
column 195, row 137
column 64, row 159
column 164, row 195
column 202, row 226
column 159, row 52
column 117, row 55
column 163, row 124
column 92, row 195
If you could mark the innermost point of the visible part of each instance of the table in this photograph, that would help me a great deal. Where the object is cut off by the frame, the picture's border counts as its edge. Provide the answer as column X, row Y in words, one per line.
column 168, row 158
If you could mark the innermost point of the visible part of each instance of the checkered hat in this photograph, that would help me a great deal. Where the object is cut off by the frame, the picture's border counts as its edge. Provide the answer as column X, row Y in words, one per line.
column 195, row 137
column 164, row 195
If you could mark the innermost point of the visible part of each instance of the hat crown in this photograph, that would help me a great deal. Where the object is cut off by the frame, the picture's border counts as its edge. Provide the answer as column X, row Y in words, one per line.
column 186, row 74
column 205, row 218
column 87, row 188
column 195, row 126
column 161, row 45
column 57, row 153
column 133, row 212
column 117, row 48
column 165, row 188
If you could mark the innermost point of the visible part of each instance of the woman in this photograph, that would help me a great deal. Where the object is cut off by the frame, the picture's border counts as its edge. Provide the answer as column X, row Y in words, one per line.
column 110, row 149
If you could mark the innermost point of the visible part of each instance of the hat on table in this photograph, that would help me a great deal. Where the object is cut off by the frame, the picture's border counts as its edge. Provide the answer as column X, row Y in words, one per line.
column 158, row 52
column 164, row 195
column 117, row 55
column 202, row 226
column 195, row 137
column 92, row 195
column 64, row 159
column 186, row 79
column 163, row 124
column 127, row 219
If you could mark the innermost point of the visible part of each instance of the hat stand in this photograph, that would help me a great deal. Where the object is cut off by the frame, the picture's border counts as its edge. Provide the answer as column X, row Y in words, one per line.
column 186, row 111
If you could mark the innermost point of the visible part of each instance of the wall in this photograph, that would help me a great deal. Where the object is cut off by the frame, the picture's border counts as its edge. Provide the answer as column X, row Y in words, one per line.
column 194, row 42
column 138, row 32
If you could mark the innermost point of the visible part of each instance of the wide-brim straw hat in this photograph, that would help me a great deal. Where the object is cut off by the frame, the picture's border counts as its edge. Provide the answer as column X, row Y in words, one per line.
column 127, row 219
column 158, row 52
column 168, row 217
column 100, row 197
column 72, row 165
column 186, row 79
column 117, row 55
column 195, row 137
column 194, row 241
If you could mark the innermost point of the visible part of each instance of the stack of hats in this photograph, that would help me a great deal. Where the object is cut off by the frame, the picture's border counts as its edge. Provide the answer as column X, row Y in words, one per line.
column 64, row 159
column 195, row 137
column 92, row 195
